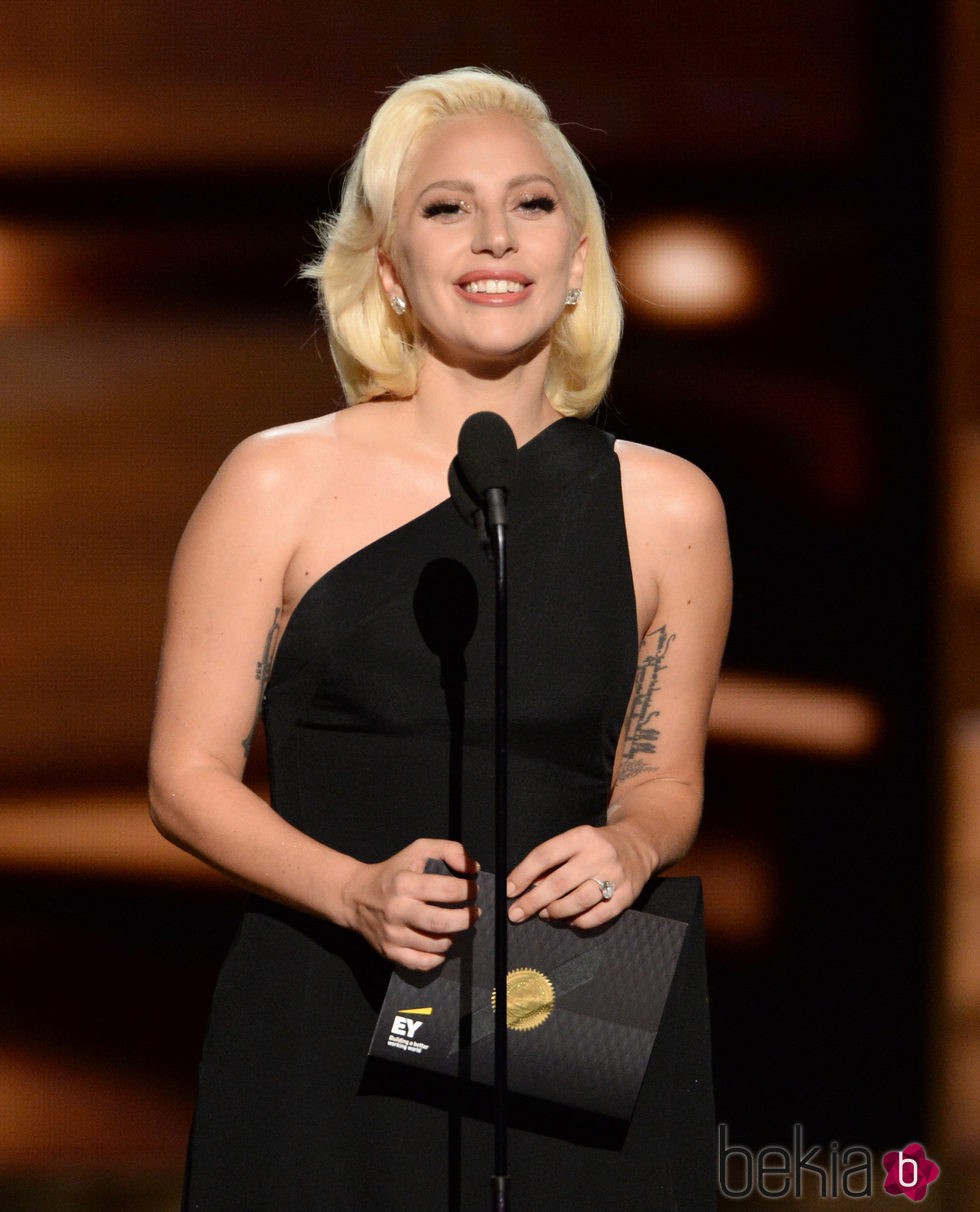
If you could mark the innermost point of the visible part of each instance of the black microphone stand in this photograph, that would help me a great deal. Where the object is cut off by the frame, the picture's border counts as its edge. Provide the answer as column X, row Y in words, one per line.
column 479, row 479
column 497, row 532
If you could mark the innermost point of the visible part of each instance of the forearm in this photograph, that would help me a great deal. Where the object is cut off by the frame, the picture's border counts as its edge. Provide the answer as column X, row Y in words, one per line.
column 659, row 816
column 210, row 813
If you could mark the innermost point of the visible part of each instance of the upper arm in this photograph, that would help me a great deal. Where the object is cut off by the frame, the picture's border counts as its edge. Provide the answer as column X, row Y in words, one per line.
column 224, row 611
column 679, row 548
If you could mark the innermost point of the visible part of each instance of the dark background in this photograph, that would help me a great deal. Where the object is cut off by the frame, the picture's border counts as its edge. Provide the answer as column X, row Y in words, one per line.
column 160, row 174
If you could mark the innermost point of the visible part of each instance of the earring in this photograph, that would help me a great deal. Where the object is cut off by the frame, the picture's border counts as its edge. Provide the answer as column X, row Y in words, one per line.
column 573, row 297
column 398, row 305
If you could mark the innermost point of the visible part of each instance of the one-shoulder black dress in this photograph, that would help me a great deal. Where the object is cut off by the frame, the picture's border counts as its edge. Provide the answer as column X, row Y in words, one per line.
column 379, row 718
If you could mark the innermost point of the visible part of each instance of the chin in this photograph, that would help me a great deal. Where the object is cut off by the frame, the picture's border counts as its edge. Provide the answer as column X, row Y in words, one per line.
column 494, row 358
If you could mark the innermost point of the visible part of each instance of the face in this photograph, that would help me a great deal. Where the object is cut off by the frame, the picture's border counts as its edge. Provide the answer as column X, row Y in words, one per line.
column 485, row 249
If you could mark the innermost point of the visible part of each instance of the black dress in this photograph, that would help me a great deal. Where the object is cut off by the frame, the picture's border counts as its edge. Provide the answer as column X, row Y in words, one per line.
column 379, row 717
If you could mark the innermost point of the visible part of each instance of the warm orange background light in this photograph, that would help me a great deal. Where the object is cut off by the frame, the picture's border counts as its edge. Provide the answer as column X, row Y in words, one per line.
column 689, row 271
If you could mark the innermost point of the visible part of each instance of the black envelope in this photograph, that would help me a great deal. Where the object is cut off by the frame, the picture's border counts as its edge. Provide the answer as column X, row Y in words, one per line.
column 584, row 1007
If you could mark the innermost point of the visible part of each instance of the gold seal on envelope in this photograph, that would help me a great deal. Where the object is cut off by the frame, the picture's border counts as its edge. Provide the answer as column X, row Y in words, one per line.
column 530, row 999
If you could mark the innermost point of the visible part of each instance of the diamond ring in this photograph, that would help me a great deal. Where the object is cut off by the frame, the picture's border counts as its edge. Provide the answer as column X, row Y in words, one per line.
column 606, row 887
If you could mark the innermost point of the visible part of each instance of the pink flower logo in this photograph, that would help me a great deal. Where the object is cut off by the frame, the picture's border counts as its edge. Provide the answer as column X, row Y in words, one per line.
column 909, row 1172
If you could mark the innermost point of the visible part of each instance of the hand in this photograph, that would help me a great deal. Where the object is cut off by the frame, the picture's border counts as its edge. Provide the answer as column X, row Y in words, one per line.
column 402, row 911
column 559, row 876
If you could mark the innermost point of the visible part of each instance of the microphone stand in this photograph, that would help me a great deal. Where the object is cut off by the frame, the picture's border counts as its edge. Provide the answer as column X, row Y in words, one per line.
column 497, row 528
column 479, row 475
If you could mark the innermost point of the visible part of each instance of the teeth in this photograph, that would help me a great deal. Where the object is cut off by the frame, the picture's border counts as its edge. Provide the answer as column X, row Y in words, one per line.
column 491, row 286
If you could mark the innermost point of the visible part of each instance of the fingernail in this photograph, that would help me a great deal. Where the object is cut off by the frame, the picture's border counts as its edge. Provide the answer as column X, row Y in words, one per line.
column 511, row 888
column 516, row 914
column 544, row 913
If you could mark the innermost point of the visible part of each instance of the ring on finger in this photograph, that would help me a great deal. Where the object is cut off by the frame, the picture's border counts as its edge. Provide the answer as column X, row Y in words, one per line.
column 606, row 887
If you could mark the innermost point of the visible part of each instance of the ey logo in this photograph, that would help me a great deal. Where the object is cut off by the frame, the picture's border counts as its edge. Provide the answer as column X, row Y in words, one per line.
column 407, row 1027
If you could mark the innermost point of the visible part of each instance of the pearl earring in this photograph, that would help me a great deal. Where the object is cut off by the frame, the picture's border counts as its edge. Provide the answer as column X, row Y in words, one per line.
column 398, row 305
column 573, row 297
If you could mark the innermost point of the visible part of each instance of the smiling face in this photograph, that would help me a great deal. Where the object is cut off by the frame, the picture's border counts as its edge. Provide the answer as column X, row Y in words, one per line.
column 484, row 249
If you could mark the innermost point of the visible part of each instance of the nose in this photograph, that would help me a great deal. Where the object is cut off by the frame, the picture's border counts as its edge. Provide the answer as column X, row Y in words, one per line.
column 494, row 234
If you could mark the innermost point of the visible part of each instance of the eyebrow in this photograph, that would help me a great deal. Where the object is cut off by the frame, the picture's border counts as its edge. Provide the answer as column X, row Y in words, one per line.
column 467, row 187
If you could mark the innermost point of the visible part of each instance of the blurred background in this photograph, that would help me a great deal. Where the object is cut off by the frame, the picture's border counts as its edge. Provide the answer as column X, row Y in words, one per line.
column 791, row 194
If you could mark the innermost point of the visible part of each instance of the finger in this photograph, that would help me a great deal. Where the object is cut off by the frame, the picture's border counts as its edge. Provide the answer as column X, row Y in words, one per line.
column 590, row 847
column 438, row 922
column 438, row 889
column 448, row 890
column 458, row 859
column 604, row 912
column 401, row 939
column 409, row 919
column 420, row 940
column 540, row 861
column 417, row 961
column 582, row 899
column 453, row 854
column 566, row 892
column 583, row 857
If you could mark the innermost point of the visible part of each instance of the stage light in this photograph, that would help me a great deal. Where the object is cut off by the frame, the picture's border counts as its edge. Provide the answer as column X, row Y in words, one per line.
column 777, row 713
column 689, row 272
column 14, row 274
column 32, row 272
column 95, row 835
column 964, row 515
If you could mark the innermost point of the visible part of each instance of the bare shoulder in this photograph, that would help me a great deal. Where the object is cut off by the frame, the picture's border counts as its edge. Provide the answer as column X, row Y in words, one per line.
column 678, row 541
column 308, row 454
column 664, row 488
column 257, row 505
column 280, row 460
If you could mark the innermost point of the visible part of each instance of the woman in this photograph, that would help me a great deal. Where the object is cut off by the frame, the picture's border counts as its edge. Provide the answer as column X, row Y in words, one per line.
column 467, row 269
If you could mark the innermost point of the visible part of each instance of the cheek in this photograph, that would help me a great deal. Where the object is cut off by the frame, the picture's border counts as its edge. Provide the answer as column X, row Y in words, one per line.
column 412, row 266
column 563, row 248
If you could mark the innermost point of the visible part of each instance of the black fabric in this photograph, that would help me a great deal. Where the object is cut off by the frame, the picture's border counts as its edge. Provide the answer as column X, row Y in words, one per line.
column 379, row 716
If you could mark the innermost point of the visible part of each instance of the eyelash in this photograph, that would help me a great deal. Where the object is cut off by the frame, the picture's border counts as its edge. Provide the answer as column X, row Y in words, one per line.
column 433, row 209
column 541, row 202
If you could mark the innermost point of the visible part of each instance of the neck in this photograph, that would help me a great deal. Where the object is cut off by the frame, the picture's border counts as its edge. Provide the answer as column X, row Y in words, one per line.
column 447, row 395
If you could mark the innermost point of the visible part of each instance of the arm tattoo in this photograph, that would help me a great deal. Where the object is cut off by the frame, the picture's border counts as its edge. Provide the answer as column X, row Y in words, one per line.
column 263, row 669
column 642, row 734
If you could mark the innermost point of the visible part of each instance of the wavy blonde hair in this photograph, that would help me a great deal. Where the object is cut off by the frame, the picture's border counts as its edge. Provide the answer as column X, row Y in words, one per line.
column 379, row 354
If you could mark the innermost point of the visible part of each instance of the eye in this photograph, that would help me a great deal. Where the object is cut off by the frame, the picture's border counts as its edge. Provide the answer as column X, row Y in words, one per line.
column 540, row 203
column 434, row 210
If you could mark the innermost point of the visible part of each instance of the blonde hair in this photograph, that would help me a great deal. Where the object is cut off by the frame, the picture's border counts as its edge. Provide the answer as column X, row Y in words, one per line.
column 379, row 354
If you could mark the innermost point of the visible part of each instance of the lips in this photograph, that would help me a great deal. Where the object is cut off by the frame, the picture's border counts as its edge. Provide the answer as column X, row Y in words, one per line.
column 493, row 286
column 482, row 287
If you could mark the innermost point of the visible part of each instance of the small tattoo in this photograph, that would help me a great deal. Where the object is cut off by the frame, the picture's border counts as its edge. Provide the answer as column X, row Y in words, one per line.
column 263, row 670
column 629, row 768
column 642, row 734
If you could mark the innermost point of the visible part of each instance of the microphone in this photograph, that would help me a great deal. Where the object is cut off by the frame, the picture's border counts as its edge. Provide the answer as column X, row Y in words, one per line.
column 481, row 473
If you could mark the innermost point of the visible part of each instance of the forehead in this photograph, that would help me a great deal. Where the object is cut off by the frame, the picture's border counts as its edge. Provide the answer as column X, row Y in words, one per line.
column 475, row 145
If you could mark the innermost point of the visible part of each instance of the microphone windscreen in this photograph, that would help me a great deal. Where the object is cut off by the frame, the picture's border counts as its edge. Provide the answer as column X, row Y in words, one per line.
column 487, row 453
column 467, row 503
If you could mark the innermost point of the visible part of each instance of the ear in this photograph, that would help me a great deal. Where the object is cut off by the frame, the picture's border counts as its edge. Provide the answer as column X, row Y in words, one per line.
column 577, row 271
column 389, row 275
